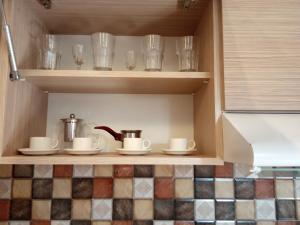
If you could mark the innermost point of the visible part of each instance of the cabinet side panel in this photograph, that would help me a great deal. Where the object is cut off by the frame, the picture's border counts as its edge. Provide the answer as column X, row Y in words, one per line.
column 25, row 105
column 261, row 54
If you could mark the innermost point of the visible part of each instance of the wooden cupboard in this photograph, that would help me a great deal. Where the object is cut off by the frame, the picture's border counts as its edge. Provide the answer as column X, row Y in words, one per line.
column 261, row 55
column 24, row 104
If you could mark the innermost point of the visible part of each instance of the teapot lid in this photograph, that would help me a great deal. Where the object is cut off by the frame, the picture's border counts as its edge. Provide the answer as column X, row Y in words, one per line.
column 71, row 119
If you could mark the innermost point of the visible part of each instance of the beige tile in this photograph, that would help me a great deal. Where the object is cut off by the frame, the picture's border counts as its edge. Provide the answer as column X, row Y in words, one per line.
column 143, row 210
column 122, row 188
column 3, row 223
column 284, row 188
column 163, row 170
column 265, row 223
column 41, row 209
column 103, row 171
column 298, row 209
column 101, row 223
column 224, row 188
column 245, row 209
column 81, row 209
column 22, row 188
column 62, row 188
column 5, row 170
column 184, row 188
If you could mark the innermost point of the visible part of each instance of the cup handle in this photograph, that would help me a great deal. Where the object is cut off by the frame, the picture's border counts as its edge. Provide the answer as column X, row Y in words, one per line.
column 191, row 145
column 55, row 144
column 146, row 144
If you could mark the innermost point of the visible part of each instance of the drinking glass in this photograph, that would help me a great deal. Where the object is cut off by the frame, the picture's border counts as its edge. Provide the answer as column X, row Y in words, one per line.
column 153, row 48
column 130, row 60
column 187, row 53
column 78, row 51
column 48, row 56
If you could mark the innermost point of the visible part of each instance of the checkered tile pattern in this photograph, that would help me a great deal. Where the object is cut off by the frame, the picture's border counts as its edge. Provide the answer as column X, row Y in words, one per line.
column 145, row 195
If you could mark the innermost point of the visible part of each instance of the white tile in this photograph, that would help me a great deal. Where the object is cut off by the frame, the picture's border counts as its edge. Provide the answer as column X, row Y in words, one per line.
column 297, row 188
column 43, row 171
column 102, row 209
column 60, row 222
column 143, row 188
column 82, row 171
column 184, row 171
column 223, row 222
column 241, row 170
column 5, row 188
column 204, row 209
column 265, row 209
column 163, row 222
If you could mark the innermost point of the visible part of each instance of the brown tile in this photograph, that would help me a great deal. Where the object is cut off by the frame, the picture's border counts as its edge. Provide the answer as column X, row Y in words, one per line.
column 184, row 210
column 143, row 210
column 264, row 188
column 244, row 188
column 4, row 209
column 40, row 222
column 103, row 188
column 5, row 171
column 63, row 171
column 164, row 188
column 62, row 188
column 143, row 171
column 82, row 188
column 123, row 188
column 184, row 223
column 103, row 170
column 42, row 188
column 225, row 171
column 101, row 222
column 81, row 222
column 41, row 209
column 122, row 209
column 81, row 209
column 123, row 171
column 23, row 171
column 122, row 222
column 163, row 170
column 20, row 209
column 184, row 188
column 61, row 209
column 22, row 188
column 286, row 222
column 164, row 209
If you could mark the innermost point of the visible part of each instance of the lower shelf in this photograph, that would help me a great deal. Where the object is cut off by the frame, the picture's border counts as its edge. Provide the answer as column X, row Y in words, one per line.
column 113, row 158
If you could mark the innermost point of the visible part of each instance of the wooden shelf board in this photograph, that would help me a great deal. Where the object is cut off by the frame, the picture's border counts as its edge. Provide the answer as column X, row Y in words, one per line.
column 130, row 82
column 113, row 158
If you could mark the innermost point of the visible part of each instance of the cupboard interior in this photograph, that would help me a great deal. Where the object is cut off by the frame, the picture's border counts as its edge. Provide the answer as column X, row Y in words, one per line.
column 26, row 106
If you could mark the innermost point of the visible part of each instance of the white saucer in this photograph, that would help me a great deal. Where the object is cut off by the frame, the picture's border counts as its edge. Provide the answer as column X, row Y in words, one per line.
column 28, row 151
column 123, row 151
column 176, row 152
column 82, row 152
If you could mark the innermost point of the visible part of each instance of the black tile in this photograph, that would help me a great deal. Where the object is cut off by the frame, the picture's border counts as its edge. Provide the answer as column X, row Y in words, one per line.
column 285, row 209
column 204, row 188
column 23, row 171
column 184, row 210
column 204, row 171
column 20, row 209
column 244, row 188
column 81, row 222
column 82, row 188
column 164, row 209
column 61, row 209
column 225, row 210
column 143, row 222
column 122, row 209
column 42, row 188
column 245, row 222
column 205, row 223
column 143, row 171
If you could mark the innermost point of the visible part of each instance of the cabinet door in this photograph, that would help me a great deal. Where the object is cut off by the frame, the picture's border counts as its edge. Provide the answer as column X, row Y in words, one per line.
column 261, row 54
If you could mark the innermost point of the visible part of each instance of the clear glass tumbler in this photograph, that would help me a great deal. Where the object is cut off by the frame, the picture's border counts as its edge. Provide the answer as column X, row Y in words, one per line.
column 153, row 48
column 103, row 45
column 187, row 53
column 48, row 54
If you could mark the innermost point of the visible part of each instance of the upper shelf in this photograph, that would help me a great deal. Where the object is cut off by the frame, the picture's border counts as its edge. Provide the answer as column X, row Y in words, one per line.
column 130, row 82
column 126, row 17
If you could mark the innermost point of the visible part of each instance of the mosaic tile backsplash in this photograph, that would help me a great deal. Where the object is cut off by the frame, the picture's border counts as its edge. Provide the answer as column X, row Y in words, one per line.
column 144, row 195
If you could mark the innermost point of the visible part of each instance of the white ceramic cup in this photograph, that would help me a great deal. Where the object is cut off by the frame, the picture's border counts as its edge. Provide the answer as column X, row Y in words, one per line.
column 85, row 143
column 136, row 144
column 42, row 143
column 182, row 144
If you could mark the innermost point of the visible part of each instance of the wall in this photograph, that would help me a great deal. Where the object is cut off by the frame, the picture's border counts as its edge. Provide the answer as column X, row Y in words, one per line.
column 145, row 195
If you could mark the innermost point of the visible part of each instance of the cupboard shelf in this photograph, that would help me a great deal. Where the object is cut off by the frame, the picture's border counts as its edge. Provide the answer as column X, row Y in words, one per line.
column 114, row 158
column 130, row 82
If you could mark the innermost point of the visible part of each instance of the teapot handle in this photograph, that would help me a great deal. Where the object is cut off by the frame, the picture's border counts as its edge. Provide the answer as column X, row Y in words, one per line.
column 117, row 136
